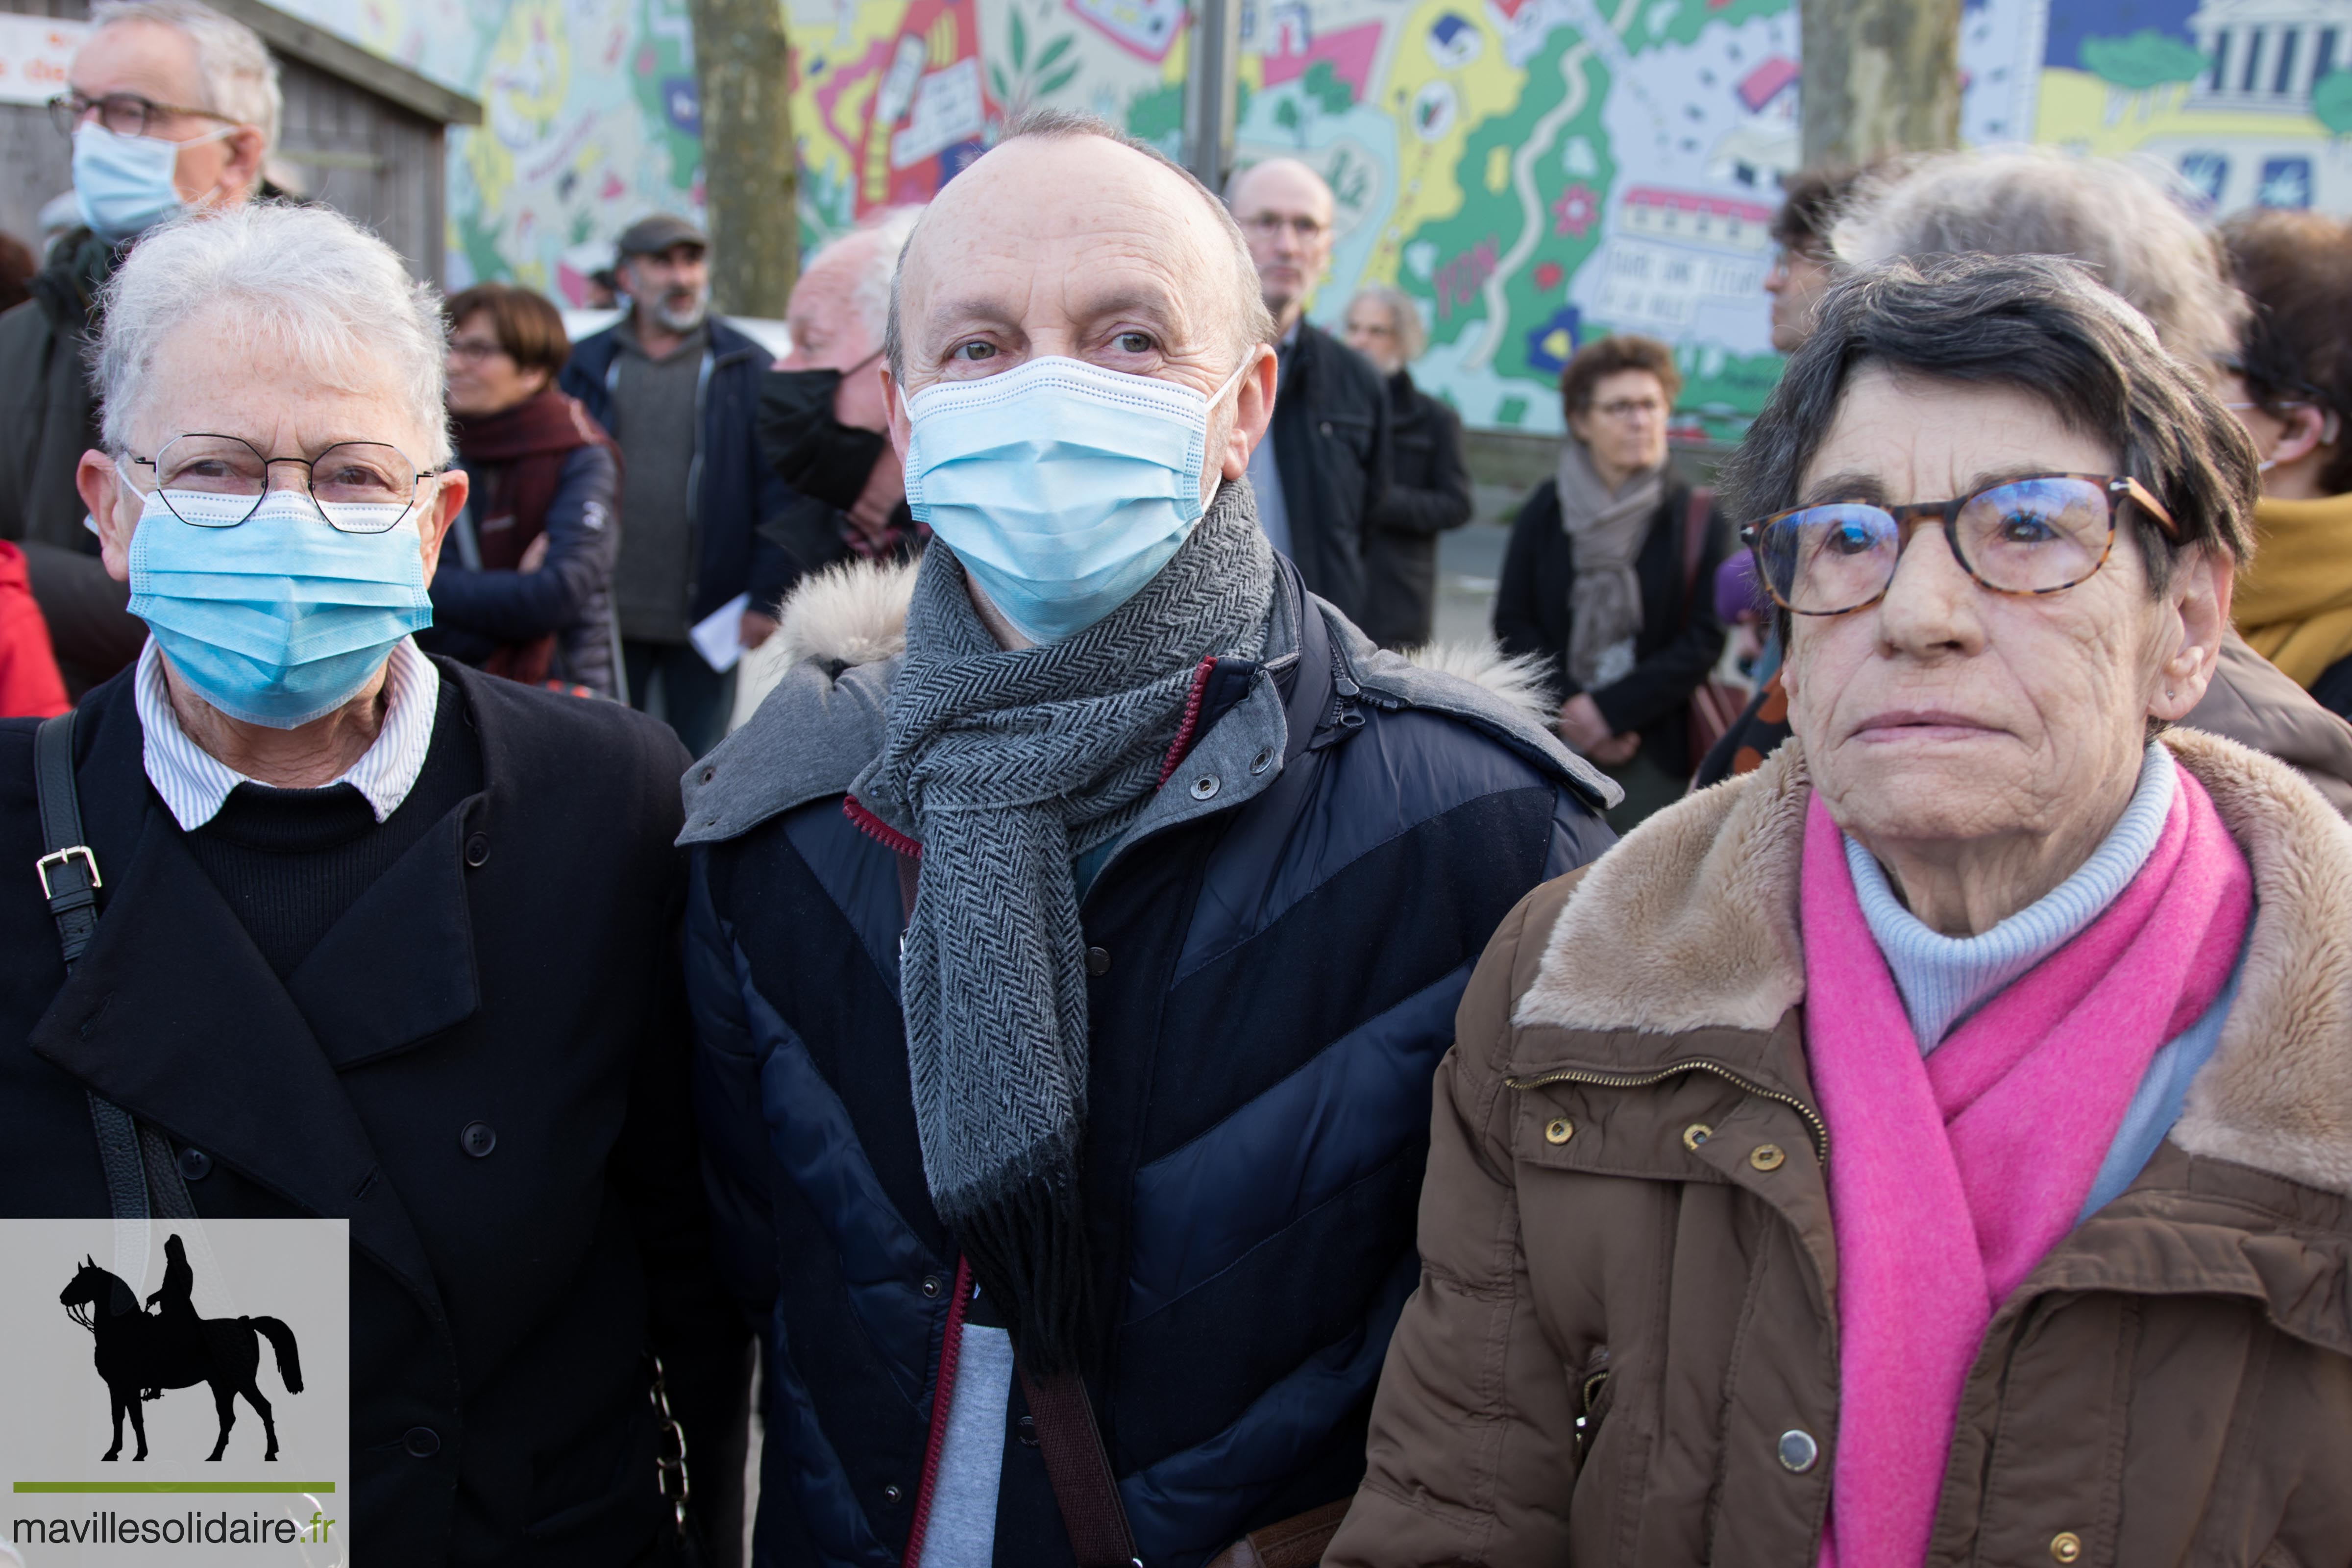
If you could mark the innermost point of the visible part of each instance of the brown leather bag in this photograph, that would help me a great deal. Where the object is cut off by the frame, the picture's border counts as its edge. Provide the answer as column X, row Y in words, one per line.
column 1298, row 1542
column 1714, row 705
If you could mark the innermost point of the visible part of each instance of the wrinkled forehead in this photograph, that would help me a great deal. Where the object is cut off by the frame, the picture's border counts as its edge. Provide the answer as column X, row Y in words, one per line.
column 231, row 371
column 151, row 58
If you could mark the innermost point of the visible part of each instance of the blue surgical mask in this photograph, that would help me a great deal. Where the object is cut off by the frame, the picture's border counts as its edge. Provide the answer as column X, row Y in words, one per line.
column 123, row 183
column 282, row 618
column 1062, row 487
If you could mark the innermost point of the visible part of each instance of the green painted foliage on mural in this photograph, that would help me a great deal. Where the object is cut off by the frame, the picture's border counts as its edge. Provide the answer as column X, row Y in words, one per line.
column 2146, row 59
column 2331, row 101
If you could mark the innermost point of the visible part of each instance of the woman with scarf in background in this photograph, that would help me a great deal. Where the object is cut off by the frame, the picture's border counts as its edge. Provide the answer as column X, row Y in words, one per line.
column 1610, row 576
column 528, row 591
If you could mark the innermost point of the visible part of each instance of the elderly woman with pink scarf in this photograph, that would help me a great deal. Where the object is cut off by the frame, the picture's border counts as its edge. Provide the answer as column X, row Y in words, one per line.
column 1936, row 1145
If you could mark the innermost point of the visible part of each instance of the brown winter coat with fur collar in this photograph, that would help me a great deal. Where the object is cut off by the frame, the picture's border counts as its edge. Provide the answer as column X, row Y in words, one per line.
column 1624, row 1346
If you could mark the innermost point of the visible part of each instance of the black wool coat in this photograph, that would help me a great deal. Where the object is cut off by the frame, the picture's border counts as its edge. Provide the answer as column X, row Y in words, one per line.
column 1331, row 447
column 1681, row 636
column 1429, row 493
column 516, row 967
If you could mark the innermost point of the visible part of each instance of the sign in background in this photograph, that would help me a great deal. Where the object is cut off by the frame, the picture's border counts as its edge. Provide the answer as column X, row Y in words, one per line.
column 63, row 1505
column 1532, row 171
column 34, row 53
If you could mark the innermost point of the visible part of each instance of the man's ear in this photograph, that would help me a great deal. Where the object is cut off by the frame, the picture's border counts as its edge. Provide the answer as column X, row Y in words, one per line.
column 895, row 411
column 2199, row 599
column 2308, row 428
column 241, row 176
column 113, row 505
column 1252, row 413
column 448, row 498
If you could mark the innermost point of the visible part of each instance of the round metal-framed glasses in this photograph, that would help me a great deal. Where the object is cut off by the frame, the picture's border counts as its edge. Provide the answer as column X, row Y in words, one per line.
column 2043, row 533
column 218, row 482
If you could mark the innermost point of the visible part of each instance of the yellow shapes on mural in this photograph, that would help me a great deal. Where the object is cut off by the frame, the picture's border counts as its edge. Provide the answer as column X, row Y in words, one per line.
column 526, row 80
column 1499, row 170
column 941, row 41
column 1447, row 75
column 2080, row 113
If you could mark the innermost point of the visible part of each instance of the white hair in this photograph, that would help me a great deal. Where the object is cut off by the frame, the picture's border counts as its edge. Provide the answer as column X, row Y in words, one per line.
column 1404, row 318
column 2126, row 219
column 872, row 249
column 240, row 80
column 332, row 296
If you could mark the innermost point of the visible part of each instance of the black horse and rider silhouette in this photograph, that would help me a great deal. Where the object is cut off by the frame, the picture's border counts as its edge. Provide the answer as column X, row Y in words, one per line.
column 173, row 1348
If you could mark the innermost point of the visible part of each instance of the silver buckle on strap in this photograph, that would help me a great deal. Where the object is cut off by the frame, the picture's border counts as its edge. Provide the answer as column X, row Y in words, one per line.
column 61, row 857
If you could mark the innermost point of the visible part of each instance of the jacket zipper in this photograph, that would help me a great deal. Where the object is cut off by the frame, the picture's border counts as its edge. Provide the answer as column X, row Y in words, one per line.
column 1820, row 1132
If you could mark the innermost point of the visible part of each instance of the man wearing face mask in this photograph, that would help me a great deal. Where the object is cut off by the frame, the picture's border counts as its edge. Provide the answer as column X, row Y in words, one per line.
column 822, row 423
column 679, row 389
column 1076, row 926
column 171, row 107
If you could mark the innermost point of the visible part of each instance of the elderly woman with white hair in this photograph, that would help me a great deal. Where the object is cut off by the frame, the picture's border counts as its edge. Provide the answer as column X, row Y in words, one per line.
column 1429, row 484
column 326, row 928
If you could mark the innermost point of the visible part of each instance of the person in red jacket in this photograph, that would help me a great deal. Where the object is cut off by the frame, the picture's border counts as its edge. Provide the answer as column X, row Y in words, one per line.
column 30, row 687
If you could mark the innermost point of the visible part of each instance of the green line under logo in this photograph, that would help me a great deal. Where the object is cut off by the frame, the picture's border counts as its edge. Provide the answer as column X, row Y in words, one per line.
column 102, row 1486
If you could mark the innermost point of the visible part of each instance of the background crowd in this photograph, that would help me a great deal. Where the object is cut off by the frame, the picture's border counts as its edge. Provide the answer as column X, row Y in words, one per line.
column 1021, row 1029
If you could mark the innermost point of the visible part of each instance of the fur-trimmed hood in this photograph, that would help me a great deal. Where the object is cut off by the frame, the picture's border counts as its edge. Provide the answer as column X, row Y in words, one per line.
column 1691, row 923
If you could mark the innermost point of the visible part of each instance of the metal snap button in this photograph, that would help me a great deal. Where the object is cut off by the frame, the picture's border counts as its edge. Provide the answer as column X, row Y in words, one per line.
column 891, row 1494
column 479, row 1139
column 421, row 1442
column 477, row 848
column 932, row 1286
column 1559, row 1130
column 1799, row 1452
column 1097, row 961
column 1768, row 1157
column 1697, row 1133
column 1204, row 787
column 1262, row 762
column 2066, row 1546
column 1027, row 1431
column 195, row 1164
column 709, row 773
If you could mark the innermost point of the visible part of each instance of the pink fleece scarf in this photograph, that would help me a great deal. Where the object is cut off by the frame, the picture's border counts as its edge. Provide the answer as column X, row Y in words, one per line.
column 1950, row 1175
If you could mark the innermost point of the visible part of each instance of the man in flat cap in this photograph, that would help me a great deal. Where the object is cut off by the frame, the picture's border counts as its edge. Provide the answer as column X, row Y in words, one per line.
column 679, row 388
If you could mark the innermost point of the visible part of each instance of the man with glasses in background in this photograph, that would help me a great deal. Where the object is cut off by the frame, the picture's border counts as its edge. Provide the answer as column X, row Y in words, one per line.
column 1323, row 468
column 171, row 107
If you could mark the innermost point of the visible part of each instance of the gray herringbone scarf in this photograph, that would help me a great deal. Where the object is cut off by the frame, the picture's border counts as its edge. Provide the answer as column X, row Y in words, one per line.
column 1005, row 765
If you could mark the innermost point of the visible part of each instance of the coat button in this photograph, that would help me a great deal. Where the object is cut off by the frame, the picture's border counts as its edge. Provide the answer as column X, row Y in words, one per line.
column 1799, row 1452
column 421, row 1442
column 2066, row 1546
column 1026, row 1430
column 479, row 1139
column 1697, row 1133
column 1204, row 787
column 891, row 1494
column 1559, row 1130
column 932, row 1286
column 195, row 1164
column 477, row 848
column 1262, row 762
column 1768, row 1157
column 1099, row 961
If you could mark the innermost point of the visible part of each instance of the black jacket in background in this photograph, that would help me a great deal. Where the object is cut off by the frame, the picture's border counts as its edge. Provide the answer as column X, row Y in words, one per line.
column 1681, row 636
column 1429, row 493
column 738, row 492
column 1330, row 436
column 517, row 966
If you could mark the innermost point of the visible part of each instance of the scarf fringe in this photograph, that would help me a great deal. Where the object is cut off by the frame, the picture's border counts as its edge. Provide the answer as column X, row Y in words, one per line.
column 1027, row 1247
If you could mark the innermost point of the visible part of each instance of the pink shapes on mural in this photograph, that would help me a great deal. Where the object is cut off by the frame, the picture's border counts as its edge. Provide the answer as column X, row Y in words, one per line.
column 1349, row 51
column 840, row 78
column 1145, row 29
column 612, row 189
column 1766, row 82
column 1549, row 275
column 1573, row 213
column 1458, row 281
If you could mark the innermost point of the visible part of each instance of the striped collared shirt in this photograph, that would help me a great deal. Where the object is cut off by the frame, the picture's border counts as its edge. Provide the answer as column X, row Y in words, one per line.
column 193, row 783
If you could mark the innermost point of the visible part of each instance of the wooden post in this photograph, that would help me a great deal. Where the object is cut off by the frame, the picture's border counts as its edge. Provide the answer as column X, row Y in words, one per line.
column 1211, row 91
column 750, row 168
column 1880, row 76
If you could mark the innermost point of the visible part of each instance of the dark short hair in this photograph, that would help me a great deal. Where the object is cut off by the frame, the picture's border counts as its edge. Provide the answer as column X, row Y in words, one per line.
column 1811, row 200
column 2296, row 268
column 1602, row 358
column 2037, row 324
column 529, row 328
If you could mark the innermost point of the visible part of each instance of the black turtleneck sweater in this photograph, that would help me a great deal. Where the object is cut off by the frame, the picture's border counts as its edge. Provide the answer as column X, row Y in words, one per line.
column 291, row 861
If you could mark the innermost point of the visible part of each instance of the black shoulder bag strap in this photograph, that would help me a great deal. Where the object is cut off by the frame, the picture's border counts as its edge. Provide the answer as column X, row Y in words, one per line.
column 1069, row 1442
column 134, row 1156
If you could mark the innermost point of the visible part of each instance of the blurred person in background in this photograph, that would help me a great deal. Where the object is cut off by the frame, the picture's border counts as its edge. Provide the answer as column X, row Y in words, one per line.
column 2289, row 384
column 2124, row 221
column 17, row 264
column 364, row 934
column 1323, row 467
column 171, row 107
column 1802, row 266
column 30, row 687
column 1609, row 575
column 823, row 421
column 1429, row 487
column 679, row 389
column 529, row 595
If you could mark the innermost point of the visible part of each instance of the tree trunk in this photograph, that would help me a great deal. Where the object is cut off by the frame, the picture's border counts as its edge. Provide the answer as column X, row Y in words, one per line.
column 751, row 169
column 1880, row 76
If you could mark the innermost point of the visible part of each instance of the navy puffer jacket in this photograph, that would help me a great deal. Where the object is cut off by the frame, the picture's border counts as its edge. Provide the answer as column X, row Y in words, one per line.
column 1277, row 947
